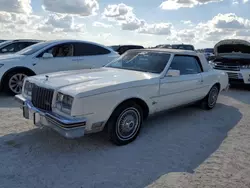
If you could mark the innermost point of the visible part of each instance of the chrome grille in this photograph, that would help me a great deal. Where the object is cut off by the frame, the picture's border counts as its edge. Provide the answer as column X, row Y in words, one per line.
column 42, row 98
column 226, row 67
column 232, row 75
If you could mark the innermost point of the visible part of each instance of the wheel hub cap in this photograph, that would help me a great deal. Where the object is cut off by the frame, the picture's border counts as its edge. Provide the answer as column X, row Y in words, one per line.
column 127, row 124
column 213, row 97
column 16, row 82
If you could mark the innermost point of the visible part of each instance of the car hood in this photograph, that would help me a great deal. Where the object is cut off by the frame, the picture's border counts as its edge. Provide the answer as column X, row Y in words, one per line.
column 6, row 57
column 232, row 47
column 93, row 81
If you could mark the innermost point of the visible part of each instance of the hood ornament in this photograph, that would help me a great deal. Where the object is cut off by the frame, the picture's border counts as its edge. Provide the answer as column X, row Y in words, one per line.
column 47, row 77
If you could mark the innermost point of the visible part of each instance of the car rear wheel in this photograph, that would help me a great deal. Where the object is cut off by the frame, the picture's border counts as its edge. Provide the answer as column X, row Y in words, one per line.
column 125, row 123
column 210, row 100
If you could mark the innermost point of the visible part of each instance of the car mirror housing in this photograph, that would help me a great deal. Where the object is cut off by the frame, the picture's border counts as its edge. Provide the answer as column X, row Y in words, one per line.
column 173, row 73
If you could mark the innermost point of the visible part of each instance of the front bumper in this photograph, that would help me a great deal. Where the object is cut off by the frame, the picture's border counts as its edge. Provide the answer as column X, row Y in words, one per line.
column 239, row 77
column 68, row 128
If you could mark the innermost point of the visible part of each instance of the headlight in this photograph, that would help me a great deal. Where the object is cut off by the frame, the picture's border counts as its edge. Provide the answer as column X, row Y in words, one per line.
column 28, row 88
column 245, row 66
column 211, row 63
column 64, row 103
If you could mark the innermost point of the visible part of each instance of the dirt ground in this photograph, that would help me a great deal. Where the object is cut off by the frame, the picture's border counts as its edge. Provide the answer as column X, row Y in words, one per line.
column 186, row 147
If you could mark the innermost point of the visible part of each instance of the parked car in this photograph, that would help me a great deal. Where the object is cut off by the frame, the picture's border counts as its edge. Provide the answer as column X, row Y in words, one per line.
column 122, row 94
column 51, row 56
column 2, row 41
column 209, row 53
column 121, row 49
column 168, row 46
column 13, row 46
column 177, row 46
column 233, row 56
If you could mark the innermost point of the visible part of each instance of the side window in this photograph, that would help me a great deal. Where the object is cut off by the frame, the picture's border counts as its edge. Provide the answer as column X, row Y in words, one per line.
column 61, row 50
column 9, row 48
column 27, row 44
column 21, row 45
column 186, row 65
column 85, row 49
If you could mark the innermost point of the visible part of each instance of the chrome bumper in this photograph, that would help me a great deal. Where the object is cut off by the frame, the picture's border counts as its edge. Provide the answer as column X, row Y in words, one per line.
column 68, row 128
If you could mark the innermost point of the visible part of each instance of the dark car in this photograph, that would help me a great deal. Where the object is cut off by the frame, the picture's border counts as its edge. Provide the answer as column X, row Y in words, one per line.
column 177, row 46
column 123, row 48
column 2, row 41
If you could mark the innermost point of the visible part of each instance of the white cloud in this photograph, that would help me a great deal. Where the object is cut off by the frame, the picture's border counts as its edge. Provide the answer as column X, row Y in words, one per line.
column 132, row 23
column 60, row 23
column 236, row 2
column 16, row 6
column 222, row 26
column 124, row 16
column 74, row 7
column 176, row 4
column 157, row 29
column 99, row 24
column 230, row 21
column 119, row 11
column 105, row 36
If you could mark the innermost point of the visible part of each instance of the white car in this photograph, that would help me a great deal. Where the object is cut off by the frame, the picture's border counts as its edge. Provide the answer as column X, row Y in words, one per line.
column 122, row 94
column 51, row 56
column 13, row 46
column 233, row 57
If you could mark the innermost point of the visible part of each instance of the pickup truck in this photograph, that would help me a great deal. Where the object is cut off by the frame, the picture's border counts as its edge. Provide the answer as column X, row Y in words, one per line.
column 121, row 95
column 233, row 57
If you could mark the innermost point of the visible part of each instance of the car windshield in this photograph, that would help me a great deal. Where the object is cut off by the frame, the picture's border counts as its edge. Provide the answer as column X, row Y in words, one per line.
column 145, row 61
column 33, row 48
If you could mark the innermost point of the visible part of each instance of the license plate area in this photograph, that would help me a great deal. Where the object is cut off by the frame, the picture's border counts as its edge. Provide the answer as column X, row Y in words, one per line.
column 36, row 118
column 26, row 112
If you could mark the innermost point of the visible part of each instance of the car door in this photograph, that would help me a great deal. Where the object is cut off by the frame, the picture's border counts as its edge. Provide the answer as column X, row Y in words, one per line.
column 89, row 55
column 182, row 89
column 57, row 58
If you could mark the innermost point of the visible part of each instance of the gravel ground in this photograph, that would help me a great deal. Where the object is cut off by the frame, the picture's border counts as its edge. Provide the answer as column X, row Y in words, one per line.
column 187, row 147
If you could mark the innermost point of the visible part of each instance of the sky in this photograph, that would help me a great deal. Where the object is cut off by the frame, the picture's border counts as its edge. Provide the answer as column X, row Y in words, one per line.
column 201, row 23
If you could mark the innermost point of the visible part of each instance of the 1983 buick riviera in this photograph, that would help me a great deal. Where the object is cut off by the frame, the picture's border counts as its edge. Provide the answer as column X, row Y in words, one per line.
column 121, row 95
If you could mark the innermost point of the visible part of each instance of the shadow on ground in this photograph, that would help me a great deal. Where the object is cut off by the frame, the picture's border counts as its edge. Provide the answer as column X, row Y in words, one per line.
column 174, row 141
column 7, row 101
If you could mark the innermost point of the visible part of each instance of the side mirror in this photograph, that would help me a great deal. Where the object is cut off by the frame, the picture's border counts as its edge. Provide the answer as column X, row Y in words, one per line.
column 173, row 73
column 47, row 55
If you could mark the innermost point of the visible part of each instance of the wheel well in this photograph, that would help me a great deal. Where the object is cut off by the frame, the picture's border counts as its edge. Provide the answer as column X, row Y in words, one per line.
column 139, row 102
column 19, row 69
column 218, row 85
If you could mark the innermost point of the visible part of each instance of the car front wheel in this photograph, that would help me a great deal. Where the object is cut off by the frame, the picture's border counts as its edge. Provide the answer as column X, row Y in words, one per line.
column 210, row 100
column 125, row 123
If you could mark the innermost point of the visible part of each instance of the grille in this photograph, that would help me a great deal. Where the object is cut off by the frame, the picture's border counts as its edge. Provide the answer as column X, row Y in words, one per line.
column 42, row 98
column 226, row 67
column 232, row 75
